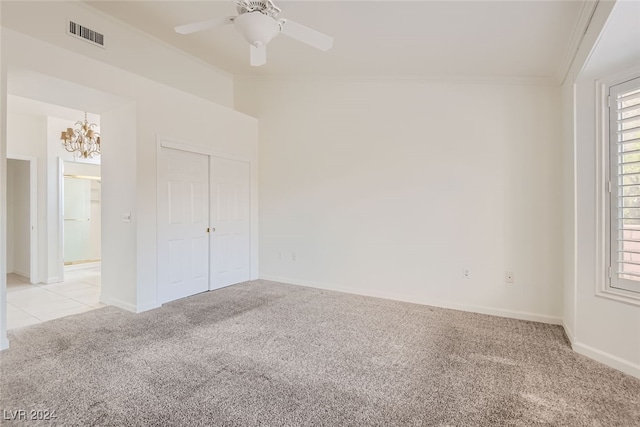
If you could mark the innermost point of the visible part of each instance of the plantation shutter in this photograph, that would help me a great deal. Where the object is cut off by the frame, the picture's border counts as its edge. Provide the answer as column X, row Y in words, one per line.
column 624, row 140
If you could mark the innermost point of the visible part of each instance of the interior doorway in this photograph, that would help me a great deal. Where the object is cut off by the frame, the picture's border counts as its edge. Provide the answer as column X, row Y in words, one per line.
column 21, row 219
column 81, row 214
column 39, row 286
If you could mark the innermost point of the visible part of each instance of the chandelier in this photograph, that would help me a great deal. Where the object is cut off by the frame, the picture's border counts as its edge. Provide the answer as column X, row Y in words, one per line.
column 82, row 140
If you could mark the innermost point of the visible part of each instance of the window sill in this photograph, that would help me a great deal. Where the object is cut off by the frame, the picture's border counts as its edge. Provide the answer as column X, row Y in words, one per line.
column 620, row 295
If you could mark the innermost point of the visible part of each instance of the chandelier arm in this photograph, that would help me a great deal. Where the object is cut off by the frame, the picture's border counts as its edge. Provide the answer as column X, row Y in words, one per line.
column 82, row 140
column 69, row 150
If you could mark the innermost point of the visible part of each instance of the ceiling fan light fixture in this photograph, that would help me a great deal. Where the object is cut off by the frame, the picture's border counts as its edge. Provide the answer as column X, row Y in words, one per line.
column 258, row 29
column 258, row 23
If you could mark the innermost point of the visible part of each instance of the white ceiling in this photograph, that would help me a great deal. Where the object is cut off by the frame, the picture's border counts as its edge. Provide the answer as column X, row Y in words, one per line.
column 519, row 39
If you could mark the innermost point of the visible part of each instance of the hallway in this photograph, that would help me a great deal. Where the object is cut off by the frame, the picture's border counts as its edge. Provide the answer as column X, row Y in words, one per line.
column 31, row 304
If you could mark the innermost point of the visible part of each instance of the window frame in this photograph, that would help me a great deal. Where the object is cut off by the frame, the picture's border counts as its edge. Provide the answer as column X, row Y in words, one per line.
column 605, row 268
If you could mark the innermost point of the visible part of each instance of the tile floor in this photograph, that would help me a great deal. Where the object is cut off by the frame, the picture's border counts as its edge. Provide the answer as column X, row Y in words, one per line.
column 30, row 304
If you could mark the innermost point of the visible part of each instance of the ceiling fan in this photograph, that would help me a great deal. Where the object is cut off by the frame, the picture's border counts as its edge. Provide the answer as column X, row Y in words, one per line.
column 258, row 22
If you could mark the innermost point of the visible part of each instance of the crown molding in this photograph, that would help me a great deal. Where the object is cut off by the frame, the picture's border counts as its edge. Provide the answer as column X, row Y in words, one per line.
column 458, row 79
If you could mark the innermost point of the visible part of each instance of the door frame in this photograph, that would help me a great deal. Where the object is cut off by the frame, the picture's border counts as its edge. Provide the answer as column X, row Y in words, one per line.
column 33, row 214
column 175, row 144
column 60, row 231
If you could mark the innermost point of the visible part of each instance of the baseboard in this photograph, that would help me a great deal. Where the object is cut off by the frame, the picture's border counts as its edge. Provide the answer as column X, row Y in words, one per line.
column 601, row 356
column 81, row 266
column 615, row 362
column 512, row 314
column 128, row 306
column 22, row 274
column 569, row 333
column 52, row 280
column 4, row 343
column 147, row 306
column 118, row 303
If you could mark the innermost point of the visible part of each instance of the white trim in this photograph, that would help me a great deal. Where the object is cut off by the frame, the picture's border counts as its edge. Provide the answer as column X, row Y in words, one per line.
column 209, row 225
column 512, row 314
column 601, row 356
column 147, row 306
column 33, row 215
column 603, row 287
column 610, row 360
column 175, row 144
column 601, row 197
column 574, row 214
column 579, row 31
column 118, row 303
column 73, row 267
column 60, row 165
column 569, row 333
column 23, row 274
column 590, row 39
column 4, row 342
column 52, row 280
column 470, row 79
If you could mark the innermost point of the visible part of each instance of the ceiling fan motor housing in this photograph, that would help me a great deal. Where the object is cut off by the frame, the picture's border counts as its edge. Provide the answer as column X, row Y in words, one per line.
column 257, row 28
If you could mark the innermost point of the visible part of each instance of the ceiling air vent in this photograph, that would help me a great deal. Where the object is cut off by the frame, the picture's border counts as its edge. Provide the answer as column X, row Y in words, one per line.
column 86, row 34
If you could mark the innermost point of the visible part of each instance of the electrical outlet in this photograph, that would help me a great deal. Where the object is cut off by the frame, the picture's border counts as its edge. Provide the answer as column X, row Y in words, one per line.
column 466, row 273
column 293, row 256
column 509, row 277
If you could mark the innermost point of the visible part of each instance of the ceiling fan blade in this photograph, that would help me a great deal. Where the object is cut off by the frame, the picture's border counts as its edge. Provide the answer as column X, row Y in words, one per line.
column 258, row 55
column 204, row 25
column 306, row 35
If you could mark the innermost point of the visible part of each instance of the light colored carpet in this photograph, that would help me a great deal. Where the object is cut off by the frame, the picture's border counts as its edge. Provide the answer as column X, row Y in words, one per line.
column 268, row 354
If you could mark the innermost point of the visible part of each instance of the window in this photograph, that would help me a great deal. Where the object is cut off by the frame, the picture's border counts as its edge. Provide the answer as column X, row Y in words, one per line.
column 624, row 186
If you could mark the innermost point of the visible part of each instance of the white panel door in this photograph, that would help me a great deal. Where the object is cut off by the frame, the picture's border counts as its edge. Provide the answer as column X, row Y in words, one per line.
column 183, row 218
column 230, row 207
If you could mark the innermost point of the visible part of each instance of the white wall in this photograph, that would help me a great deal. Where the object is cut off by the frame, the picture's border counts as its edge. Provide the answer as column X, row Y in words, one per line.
column 129, row 133
column 125, row 47
column 38, row 136
column 18, row 217
column 56, row 153
column 392, row 188
column 4, row 342
column 119, row 262
column 568, row 209
column 600, row 328
column 26, row 136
